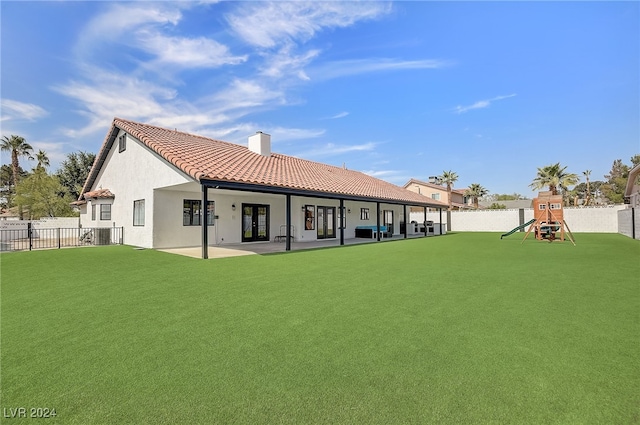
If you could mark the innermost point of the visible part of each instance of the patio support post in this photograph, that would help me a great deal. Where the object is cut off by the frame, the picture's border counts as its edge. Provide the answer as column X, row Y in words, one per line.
column 203, row 222
column 378, row 221
column 343, row 219
column 288, row 223
column 406, row 225
column 425, row 221
column 448, row 217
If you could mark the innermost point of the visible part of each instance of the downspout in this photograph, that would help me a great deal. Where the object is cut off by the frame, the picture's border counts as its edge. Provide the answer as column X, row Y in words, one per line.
column 288, row 223
column 378, row 221
column 424, row 221
column 203, row 224
column 343, row 219
column 404, row 213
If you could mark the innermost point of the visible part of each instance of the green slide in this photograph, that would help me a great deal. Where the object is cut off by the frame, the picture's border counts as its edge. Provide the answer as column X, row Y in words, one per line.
column 518, row 228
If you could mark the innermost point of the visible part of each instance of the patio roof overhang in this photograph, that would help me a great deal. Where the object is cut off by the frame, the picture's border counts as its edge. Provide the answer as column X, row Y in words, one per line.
column 278, row 190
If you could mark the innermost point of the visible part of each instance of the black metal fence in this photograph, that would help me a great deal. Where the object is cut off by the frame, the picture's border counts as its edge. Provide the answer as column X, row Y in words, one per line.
column 31, row 237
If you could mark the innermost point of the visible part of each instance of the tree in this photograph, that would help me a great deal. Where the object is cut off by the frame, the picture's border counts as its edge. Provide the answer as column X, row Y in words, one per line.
column 448, row 178
column 7, row 189
column 39, row 194
column 554, row 177
column 476, row 192
column 587, row 199
column 614, row 187
column 74, row 170
column 497, row 206
column 43, row 159
column 18, row 147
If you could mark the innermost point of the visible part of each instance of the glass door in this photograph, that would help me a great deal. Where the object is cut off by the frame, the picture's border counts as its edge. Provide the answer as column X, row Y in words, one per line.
column 255, row 222
column 326, row 222
column 388, row 220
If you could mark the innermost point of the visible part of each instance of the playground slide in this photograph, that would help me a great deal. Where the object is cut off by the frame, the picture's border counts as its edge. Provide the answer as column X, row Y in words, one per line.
column 518, row 228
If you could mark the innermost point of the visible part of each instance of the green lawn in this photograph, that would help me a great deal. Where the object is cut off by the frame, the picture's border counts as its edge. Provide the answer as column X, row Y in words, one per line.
column 465, row 328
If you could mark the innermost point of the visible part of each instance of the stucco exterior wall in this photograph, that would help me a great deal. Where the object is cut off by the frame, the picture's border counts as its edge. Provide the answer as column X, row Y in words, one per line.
column 626, row 223
column 582, row 219
column 131, row 175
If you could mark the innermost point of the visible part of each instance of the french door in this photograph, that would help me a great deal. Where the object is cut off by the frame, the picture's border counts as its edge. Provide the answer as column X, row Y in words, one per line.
column 326, row 222
column 387, row 220
column 255, row 222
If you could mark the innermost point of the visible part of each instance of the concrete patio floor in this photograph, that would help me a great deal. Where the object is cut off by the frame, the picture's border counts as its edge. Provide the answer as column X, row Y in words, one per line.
column 259, row 248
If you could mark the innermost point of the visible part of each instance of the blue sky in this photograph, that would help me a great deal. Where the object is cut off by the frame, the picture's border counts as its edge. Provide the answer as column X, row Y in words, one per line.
column 400, row 90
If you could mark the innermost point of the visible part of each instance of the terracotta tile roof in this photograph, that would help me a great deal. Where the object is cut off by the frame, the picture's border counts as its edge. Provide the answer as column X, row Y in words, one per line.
column 208, row 159
column 99, row 194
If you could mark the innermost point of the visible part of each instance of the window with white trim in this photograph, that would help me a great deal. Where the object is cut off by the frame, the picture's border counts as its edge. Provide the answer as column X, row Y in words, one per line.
column 105, row 211
column 138, row 212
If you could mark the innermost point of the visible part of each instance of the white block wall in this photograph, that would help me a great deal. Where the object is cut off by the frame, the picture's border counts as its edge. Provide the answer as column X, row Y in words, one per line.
column 625, row 222
column 588, row 220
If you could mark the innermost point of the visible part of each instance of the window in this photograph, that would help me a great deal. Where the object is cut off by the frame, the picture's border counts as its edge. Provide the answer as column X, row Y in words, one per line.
column 192, row 213
column 542, row 207
column 342, row 217
column 435, row 196
column 93, row 211
column 138, row 213
column 105, row 211
column 364, row 213
column 122, row 143
column 309, row 215
column 555, row 206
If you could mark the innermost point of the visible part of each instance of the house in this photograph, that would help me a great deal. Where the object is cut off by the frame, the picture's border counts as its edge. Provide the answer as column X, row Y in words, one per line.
column 632, row 189
column 170, row 189
column 439, row 193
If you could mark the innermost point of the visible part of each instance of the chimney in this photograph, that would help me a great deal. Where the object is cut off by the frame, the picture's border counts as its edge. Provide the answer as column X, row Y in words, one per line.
column 260, row 143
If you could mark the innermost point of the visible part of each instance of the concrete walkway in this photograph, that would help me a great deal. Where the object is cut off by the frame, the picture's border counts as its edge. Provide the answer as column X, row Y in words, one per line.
column 258, row 248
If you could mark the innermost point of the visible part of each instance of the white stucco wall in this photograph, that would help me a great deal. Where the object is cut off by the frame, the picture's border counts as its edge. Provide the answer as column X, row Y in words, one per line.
column 625, row 222
column 581, row 219
column 132, row 175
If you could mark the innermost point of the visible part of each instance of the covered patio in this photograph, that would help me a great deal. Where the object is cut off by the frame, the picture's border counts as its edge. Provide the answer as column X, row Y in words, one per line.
column 260, row 248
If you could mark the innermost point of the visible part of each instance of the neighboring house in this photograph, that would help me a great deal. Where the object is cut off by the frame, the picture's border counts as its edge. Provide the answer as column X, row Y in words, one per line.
column 154, row 182
column 632, row 190
column 439, row 193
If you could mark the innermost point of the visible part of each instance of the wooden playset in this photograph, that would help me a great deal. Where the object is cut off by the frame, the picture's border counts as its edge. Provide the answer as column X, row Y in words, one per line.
column 549, row 219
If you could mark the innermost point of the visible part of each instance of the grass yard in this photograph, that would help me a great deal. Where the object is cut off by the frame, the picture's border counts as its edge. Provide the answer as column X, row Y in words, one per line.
column 465, row 328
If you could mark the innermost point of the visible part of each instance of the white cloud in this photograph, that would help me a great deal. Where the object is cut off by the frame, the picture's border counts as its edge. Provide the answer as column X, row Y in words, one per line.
column 481, row 104
column 106, row 95
column 268, row 24
column 187, row 52
column 329, row 70
column 123, row 18
column 13, row 109
column 331, row 149
column 337, row 116
column 284, row 63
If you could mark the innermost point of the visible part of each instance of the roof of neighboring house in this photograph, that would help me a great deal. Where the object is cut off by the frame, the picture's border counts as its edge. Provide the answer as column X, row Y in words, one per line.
column 634, row 174
column 434, row 186
column 206, row 160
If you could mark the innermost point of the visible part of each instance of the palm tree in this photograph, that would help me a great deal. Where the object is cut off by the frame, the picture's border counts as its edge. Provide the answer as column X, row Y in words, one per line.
column 448, row 178
column 43, row 159
column 587, row 173
column 18, row 147
column 476, row 192
column 554, row 177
